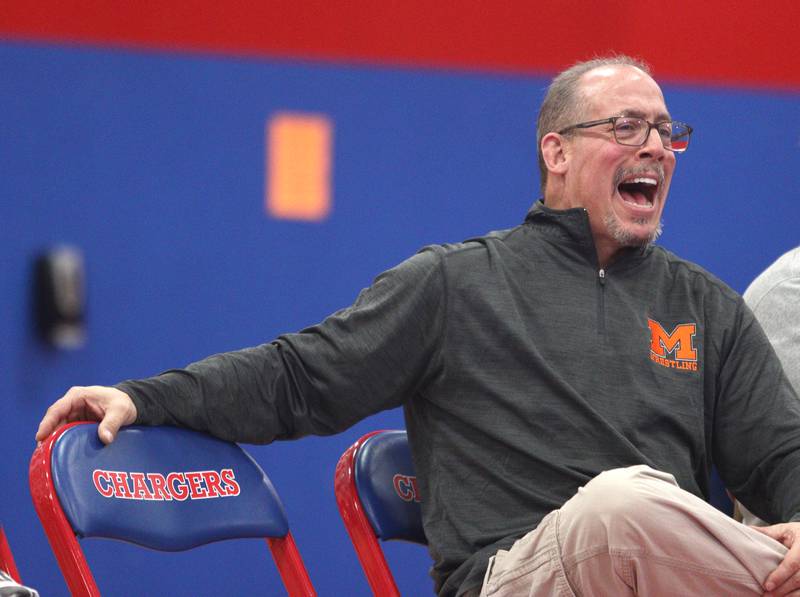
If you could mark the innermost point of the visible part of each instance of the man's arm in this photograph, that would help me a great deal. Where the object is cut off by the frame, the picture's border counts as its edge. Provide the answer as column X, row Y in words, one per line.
column 774, row 297
column 757, row 441
column 369, row 357
column 756, row 429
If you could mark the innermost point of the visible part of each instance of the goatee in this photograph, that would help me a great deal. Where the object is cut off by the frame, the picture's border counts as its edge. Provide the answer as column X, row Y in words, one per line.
column 625, row 237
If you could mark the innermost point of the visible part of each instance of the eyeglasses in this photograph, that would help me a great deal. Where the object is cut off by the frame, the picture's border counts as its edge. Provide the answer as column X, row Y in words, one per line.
column 635, row 131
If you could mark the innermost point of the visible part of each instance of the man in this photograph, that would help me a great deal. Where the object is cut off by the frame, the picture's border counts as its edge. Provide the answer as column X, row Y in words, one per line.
column 528, row 362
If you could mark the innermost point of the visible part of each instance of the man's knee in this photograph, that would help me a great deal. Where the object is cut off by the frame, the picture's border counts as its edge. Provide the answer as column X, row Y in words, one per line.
column 640, row 516
column 619, row 500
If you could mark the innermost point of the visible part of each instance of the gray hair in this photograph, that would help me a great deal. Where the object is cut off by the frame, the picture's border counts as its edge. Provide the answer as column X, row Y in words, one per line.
column 564, row 103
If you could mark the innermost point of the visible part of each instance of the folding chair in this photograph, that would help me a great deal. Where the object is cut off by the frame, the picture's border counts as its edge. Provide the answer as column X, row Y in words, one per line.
column 7, row 563
column 376, row 490
column 164, row 488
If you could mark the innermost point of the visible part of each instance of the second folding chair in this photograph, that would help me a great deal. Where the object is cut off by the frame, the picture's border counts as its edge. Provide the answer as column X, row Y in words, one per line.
column 378, row 498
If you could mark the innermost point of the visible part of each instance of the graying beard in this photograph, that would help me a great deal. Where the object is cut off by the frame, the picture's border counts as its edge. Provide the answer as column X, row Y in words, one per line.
column 627, row 239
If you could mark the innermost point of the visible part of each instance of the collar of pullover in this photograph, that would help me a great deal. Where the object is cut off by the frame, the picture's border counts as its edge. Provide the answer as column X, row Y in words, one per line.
column 572, row 226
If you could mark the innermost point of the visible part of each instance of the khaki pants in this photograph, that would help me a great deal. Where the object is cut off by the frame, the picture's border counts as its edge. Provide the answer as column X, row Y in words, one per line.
column 633, row 531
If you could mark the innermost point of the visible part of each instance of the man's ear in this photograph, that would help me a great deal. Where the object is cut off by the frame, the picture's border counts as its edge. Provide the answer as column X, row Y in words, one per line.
column 554, row 153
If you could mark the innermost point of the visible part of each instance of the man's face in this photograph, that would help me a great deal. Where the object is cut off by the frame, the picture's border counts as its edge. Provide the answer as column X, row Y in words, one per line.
column 623, row 188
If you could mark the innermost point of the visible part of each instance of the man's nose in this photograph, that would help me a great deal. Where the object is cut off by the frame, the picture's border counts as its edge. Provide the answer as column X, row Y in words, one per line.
column 653, row 147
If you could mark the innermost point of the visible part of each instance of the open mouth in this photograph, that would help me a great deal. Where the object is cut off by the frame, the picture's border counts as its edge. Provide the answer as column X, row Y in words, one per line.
column 639, row 190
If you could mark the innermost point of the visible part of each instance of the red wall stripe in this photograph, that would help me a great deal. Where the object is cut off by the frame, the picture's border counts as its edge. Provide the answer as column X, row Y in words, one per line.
column 740, row 42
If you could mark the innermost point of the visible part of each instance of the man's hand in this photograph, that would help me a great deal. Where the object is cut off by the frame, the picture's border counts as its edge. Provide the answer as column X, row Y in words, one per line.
column 785, row 579
column 112, row 407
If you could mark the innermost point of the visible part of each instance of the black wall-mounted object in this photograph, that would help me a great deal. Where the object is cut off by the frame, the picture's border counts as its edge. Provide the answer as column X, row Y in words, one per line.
column 59, row 297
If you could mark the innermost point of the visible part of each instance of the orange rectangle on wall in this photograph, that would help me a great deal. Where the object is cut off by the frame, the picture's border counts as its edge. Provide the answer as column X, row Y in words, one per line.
column 298, row 166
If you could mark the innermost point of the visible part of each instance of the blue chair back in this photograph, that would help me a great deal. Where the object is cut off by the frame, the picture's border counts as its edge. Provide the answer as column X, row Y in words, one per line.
column 164, row 488
column 387, row 485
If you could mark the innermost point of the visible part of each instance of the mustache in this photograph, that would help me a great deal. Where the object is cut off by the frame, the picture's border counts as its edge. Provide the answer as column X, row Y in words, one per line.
column 623, row 173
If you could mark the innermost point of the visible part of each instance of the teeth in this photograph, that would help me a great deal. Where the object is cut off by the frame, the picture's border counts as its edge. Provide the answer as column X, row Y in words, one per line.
column 650, row 181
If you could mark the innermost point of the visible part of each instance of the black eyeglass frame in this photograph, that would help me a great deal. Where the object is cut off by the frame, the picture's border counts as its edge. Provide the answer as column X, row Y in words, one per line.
column 650, row 126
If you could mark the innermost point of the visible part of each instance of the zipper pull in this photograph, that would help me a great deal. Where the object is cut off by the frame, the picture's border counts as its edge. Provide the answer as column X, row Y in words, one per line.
column 602, row 275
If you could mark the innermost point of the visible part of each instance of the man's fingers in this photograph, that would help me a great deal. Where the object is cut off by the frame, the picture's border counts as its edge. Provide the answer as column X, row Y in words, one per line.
column 46, row 426
column 112, row 407
column 776, row 584
column 790, row 587
column 781, row 581
column 107, row 432
column 56, row 415
column 115, row 417
column 786, row 577
column 770, row 531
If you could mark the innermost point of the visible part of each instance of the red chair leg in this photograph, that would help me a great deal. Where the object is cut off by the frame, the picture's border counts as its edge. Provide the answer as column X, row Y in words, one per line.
column 7, row 559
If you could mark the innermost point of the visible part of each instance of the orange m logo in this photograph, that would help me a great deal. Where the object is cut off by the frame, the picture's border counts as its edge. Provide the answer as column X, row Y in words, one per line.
column 680, row 341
